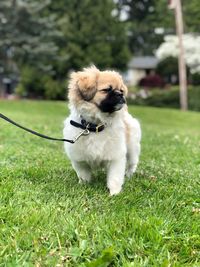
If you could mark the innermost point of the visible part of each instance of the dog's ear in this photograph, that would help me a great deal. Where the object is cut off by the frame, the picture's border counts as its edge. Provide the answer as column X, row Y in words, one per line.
column 125, row 89
column 86, row 82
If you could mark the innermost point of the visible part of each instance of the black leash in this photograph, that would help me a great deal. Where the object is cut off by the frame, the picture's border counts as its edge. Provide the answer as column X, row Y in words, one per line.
column 35, row 133
column 85, row 126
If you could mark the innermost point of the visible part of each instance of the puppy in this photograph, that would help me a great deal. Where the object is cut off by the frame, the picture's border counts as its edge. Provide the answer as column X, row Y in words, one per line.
column 107, row 135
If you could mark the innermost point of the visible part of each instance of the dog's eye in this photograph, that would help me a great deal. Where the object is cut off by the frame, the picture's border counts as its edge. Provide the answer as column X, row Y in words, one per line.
column 107, row 90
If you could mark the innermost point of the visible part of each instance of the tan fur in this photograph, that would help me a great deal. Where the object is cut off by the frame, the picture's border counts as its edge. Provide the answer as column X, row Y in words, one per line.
column 127, row 130
column 83, row 85
column 87, row 85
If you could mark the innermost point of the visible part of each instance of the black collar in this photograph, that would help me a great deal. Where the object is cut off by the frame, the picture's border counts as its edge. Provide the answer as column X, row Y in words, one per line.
column 88, row 125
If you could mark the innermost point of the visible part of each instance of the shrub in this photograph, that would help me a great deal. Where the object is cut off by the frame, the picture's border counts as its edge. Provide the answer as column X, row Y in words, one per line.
column 31, row 83
column 34, row 84
column 152, row 81
column 168, row 68
column 54, row 90
column 194, row 98
column 195, row 78
column 168, row 98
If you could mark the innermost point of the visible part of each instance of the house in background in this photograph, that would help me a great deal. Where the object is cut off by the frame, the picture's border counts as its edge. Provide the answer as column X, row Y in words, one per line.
column 138, row 68
column 8, row 81
column 7, row 85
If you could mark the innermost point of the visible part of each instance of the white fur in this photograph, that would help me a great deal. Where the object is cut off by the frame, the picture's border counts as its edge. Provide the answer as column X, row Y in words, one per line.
column 109, row 148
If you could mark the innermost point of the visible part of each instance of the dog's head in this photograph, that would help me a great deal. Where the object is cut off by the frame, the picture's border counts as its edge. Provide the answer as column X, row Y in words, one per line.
column 103, row 89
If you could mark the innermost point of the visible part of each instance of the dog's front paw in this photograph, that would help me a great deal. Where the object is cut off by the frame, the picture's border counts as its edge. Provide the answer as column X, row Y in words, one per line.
column 85, row 180
column 114, row 190
column 131, row 170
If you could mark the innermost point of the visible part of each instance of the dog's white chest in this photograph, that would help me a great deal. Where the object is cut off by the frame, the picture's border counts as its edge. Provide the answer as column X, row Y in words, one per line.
column 96, row 147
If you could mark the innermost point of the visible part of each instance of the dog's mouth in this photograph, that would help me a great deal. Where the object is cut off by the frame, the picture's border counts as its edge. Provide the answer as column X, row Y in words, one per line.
column 113, row 102
column 119, row 106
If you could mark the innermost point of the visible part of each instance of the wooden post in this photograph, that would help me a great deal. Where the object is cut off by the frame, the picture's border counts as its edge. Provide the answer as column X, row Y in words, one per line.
column 176, row 4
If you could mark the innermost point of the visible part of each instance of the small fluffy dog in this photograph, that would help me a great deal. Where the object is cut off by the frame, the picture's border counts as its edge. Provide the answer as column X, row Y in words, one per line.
column 107, row 135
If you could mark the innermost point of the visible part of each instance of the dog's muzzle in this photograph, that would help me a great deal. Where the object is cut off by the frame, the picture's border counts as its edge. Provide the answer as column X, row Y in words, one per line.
column 113, row 102
column 120, row 100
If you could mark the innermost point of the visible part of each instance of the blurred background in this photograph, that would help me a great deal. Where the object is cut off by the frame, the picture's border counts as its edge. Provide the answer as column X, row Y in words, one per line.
column 41, row 42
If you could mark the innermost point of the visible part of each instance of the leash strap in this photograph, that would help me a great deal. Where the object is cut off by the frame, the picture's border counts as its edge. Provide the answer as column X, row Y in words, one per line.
column 33, row 132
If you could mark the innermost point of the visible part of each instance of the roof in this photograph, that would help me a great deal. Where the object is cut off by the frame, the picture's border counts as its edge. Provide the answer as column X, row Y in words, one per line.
column 146, row 62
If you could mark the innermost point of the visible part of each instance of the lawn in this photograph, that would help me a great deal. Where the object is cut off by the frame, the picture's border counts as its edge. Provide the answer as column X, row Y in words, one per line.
column 48, row 219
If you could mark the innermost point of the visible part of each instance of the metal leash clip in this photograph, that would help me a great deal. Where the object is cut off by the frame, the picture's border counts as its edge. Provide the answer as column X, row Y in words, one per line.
column 84, row 133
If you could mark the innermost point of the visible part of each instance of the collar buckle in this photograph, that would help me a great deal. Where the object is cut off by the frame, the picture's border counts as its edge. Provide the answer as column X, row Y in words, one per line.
column 99, row 127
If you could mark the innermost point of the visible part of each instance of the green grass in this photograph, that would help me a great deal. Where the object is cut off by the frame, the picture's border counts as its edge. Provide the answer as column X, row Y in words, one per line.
column 48, row 219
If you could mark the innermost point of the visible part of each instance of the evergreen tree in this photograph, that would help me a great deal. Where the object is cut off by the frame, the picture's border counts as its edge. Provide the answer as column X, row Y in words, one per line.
column 143, row 19
column 27, row 34
column 92, row 34
column 191, row 15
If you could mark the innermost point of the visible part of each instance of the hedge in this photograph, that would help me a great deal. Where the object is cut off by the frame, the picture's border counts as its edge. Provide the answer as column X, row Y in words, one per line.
column 168, row 98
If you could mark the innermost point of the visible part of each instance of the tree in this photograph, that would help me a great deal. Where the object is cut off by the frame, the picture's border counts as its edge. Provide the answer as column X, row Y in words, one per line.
column 27, row 35
column 191, row 15
column 92, row 34
column 146, row 21
column 54, row 37
column 170, row 48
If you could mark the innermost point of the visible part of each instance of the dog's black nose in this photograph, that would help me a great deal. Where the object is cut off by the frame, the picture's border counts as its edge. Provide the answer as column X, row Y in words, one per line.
column 118, row 94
